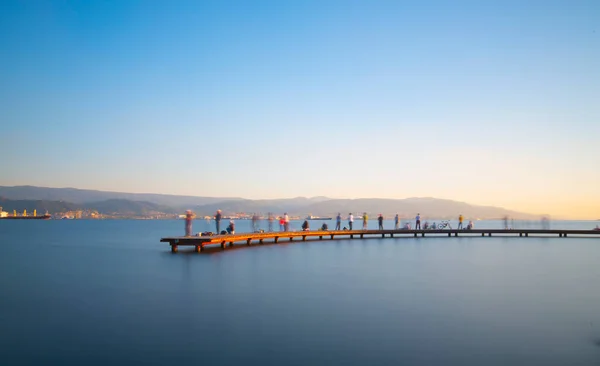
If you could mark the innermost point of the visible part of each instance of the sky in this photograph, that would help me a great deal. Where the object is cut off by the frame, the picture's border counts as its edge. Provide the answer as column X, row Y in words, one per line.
column 487, row 102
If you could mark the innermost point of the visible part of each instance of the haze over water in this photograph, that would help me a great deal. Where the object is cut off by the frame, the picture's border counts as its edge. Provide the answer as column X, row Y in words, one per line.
column 107, row 292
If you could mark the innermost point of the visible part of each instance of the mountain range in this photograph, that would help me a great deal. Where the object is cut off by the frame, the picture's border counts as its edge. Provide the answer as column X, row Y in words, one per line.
column 69, row 199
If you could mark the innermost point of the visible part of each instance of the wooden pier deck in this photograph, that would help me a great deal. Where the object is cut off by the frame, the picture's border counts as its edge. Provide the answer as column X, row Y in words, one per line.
column 199, row 242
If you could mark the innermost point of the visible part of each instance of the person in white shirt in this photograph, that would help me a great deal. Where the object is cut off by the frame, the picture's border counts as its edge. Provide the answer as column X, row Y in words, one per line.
column 286, row 222
column 350, row 220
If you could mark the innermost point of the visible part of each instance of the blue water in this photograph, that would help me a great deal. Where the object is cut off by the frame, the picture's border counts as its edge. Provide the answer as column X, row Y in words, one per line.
column 108, row 293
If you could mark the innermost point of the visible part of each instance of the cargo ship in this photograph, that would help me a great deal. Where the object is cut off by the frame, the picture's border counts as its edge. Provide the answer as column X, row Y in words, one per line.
column 14, row 216
column 42, row 217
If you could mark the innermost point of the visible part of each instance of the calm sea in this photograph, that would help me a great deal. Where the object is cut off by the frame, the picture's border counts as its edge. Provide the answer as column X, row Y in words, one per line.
column 77, row 292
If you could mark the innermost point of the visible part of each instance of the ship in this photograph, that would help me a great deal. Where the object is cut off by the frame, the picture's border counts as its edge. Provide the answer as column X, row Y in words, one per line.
column 14, row 216
column 40, row 217
column 311, row 217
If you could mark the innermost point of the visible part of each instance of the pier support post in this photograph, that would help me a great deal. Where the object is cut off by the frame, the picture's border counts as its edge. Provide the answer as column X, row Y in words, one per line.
column 248, row 241
column 198, row 248
column 260, row 241
column 489, row 234
column 423, row 234
column 391, row 235
column 361, row 236
column 223, row 244
column 564, row 235
column 303, row 237
column 230, row 243
column 331, row 237
column 320, row 237
column 351, row 236
column 291, row 238
column 276, row 239
column 482, row 234
column 173, row 248
column 456, row 234
column 383, row 235
column 415, row 235
column 520, row 234
column 449, row 235
column 526, row 234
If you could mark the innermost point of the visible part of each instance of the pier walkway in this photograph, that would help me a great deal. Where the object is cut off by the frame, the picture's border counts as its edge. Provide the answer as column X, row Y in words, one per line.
column 199, row 242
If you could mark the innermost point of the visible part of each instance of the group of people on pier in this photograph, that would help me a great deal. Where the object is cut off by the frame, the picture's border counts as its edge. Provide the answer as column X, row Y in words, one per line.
column 284, row 223
column 426, row 225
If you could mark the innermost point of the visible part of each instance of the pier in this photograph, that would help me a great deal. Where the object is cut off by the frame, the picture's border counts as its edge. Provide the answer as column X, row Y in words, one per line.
column 200, row 242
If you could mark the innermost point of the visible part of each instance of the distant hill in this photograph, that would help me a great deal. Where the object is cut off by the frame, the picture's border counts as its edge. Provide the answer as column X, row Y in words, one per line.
column 68, row 199
column 75, row 195
column 427, row 207
column 126, row 207
column 409, row 207
column 40, row 205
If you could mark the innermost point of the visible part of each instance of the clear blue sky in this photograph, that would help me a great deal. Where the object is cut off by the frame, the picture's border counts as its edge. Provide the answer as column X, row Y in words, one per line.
column 489, row 102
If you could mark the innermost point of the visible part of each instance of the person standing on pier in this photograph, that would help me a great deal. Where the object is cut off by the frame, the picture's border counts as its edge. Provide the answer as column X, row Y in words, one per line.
column 396, row 222
column 281, row 224
column 270, row 228
column 460, row 221
column 418, row 222
column 218, row 217
column 338, row 221
column 254, row 222
column 286, row 222
column 350, row 220
column 365, row 221
column 380, row 219
column 189, row 216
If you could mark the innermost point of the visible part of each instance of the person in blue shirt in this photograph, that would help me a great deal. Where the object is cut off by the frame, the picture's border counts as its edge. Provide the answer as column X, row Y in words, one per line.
column 418, row 222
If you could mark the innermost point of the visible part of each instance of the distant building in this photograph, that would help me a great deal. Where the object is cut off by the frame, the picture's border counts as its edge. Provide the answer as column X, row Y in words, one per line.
column 2, row 213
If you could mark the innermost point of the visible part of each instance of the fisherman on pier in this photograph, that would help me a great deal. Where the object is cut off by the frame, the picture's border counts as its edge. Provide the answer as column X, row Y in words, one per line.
column 189, row 216
column 218, row 221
